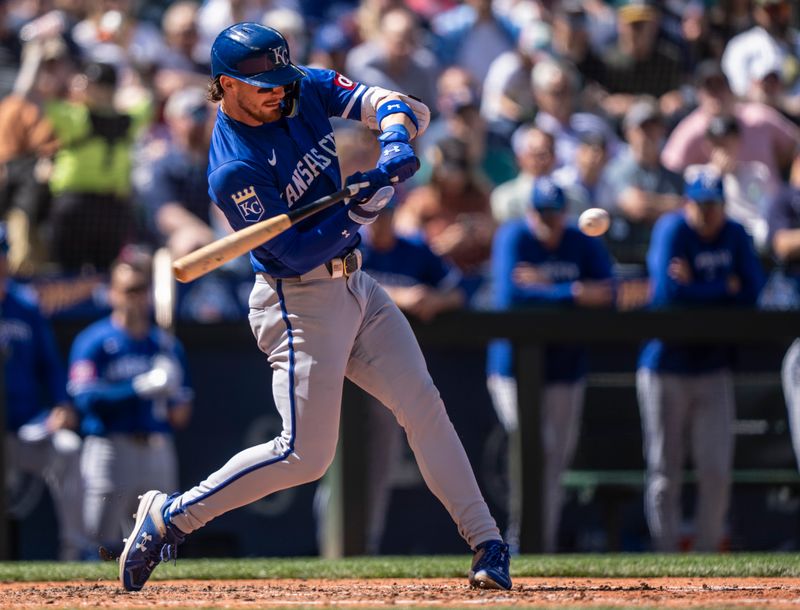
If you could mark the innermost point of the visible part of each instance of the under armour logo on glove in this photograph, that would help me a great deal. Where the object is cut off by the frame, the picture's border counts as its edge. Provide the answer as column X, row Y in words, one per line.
column 398, row 160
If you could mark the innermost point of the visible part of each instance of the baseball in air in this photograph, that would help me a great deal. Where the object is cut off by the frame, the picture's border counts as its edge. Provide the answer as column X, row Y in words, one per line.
column 594, row 222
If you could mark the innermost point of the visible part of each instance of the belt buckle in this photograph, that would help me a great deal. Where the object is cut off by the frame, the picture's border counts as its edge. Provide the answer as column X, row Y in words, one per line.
column 352, row 263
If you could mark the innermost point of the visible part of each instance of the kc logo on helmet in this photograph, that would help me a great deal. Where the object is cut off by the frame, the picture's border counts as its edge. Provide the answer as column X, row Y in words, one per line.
column 248, row 204
column 280, row 56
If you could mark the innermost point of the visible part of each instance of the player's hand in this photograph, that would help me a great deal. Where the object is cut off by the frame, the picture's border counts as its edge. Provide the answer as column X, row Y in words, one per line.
column 164, row 378
column 593, row 293
column 61, row 416
column 734, row 284
column 370, row 200
column 680, row 271
column 397, row 157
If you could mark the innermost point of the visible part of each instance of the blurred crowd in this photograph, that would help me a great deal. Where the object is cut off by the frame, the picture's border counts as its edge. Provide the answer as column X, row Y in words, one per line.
column 678, row 117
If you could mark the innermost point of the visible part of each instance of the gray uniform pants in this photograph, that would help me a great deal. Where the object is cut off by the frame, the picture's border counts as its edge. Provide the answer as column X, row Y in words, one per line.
column 561, row 409
column 116, row 469
column 790, row 377
column 675, row 409
column 315, row 332
column 56, row 459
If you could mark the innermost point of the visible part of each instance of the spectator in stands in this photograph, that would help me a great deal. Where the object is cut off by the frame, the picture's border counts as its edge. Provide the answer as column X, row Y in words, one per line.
column 471, row 35
column 423, row 286
column 586, row 182
column 555, row 86
column 507, row 99
column 747, row 183
column 129, row 381
column 396, row 59
column 111, row 33
column 697, row 257
column 179, row 66
column 458, row 103
column 571, row 41
column 40, row 421
column 536, row 158
column 10, row 51
column 329, row 48
column 765, row 135
column 92, row 214
column 772, row 39
column 27, row 147
column 640, row 63
column 643, row 189
column 540, row 260
column 452, row 213
column 176, row 193
column 784, row 235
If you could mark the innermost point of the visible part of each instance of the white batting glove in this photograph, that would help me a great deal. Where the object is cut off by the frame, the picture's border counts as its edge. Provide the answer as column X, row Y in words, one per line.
column 163, row 379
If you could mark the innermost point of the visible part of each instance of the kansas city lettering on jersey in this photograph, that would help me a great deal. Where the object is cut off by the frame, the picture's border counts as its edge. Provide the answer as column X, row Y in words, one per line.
column 712, row 263
column 559, row 271
column 309, row 167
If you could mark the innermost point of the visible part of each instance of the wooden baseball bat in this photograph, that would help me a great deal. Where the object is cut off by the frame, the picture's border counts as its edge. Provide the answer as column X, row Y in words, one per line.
column 217, row 253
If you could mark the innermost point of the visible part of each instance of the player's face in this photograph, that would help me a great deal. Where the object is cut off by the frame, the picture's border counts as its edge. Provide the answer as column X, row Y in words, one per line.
column 129, row 292
column 707, row 218
column 249, row 104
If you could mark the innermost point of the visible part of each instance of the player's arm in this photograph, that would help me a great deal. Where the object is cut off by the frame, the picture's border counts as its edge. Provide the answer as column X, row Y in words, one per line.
column 180, row 404
column 89, row 392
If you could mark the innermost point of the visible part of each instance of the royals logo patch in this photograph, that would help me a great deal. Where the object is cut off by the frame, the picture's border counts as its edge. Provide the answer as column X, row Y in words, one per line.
column 248, row 204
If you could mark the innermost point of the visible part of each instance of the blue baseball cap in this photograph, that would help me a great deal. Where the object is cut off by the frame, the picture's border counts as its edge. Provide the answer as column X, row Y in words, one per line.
column 547, row 195
column 705, row 187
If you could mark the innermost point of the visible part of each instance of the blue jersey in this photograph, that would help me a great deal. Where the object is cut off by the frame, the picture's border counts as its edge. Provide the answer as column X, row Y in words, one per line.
column 712, row 263
column 32, row 363
column 103, row 362
column 577, row 257
column 408, row 263
column 258, row 172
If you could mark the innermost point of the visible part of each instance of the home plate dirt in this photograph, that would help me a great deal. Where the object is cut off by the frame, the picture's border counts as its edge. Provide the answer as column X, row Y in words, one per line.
column 447, row 593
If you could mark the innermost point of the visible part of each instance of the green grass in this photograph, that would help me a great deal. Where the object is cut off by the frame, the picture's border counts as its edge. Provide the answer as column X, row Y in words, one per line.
column 632, row 566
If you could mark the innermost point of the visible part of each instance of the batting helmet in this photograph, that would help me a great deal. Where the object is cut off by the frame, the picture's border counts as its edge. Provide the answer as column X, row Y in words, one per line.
column 259, row 56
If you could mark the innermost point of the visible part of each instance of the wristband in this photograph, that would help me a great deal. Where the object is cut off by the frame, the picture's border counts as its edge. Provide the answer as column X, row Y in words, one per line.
column 394, row 133
column 396, row 107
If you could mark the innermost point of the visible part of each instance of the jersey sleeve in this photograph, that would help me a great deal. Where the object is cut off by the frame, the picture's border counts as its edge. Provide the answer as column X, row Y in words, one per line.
column 185, row 393
column 341, row 96
column 247, row 196
column 89, row 391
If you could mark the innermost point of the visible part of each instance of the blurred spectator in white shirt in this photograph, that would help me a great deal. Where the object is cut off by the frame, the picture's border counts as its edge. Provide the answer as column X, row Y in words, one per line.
column 396, row 59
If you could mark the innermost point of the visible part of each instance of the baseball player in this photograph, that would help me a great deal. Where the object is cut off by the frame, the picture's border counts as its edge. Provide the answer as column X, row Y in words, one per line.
column 313, row 312
column 540, row 260
column 128, row 379
column 697, row 257
column 39, row 440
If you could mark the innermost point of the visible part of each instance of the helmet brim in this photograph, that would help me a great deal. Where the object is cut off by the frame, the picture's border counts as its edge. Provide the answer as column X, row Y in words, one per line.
column 279, row 77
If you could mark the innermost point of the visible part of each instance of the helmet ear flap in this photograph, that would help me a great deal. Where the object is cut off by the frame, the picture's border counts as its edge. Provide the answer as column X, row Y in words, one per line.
column 290, row 103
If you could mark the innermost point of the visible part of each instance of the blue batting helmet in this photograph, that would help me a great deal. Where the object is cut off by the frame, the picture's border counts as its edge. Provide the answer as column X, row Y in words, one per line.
column 259, row 56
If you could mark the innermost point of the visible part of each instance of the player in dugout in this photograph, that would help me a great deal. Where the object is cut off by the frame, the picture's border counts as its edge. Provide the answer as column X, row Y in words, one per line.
column 315, row 315
column 698, row 257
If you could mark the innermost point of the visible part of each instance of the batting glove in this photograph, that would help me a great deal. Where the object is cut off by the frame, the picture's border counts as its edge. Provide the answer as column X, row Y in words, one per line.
column 397, row 156
column 370, row 200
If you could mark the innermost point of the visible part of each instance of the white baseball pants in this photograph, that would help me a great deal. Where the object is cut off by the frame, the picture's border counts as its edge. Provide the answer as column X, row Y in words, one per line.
column 790, row 378
column 675, row 409
column 561, row 409
column 315, row 332
column 116, row 469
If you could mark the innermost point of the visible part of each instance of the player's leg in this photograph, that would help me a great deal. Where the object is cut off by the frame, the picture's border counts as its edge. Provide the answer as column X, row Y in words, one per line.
column 307, row 330
column 713, row 413
column 562, row 404
column 386, row 362
column 790, row 378
column 63, row 476
column 503, row 392
column 384, row 452
column 104, row 506
column 663, row 403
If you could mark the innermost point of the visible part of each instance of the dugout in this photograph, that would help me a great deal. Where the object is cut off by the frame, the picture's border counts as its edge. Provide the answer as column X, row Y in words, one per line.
column 604, row 504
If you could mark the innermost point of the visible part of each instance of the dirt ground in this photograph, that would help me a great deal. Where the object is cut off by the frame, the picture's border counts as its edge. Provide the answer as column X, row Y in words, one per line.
column 447, row 593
